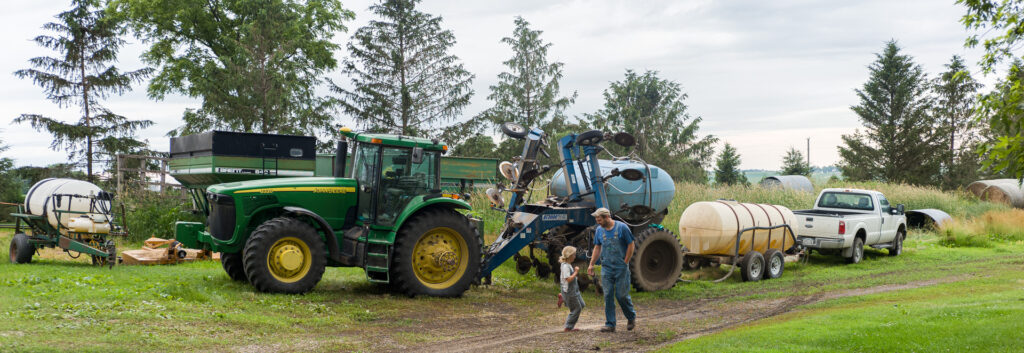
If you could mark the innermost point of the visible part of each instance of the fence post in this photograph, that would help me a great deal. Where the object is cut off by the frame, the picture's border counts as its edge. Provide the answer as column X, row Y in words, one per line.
column 120, row 190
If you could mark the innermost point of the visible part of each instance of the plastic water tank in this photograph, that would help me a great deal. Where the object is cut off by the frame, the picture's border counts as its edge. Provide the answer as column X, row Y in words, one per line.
column 40, row 200
column 709, row 227
column 654, row 191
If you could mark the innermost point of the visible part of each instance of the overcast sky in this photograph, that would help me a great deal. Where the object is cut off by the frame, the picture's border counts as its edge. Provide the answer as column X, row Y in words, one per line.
column 764, row 75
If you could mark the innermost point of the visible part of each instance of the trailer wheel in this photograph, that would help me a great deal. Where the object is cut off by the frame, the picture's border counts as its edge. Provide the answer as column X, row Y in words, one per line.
column 858, row 251
column 436, row 253
column 691, row 262
column 657, row 261
column 752, row 266
column 21, row 249
column 775, row 262
column 232, row 263
column 897, row 244
column 284, row 255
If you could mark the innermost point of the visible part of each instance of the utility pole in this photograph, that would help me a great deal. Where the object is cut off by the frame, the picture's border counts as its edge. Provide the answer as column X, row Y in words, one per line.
column 808, row 152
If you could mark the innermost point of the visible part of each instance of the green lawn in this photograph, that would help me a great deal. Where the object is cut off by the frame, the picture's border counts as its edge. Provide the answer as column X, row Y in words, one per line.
column 976, row 315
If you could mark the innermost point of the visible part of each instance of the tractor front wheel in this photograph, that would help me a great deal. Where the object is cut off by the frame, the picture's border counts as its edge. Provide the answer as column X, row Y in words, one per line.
column 658, row 260
column 21, row 249
column 436, row 253
column 284, row 255
column 232, row 263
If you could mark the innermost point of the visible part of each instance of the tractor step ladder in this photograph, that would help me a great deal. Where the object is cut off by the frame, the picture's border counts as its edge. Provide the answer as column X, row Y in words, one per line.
column 377, row 262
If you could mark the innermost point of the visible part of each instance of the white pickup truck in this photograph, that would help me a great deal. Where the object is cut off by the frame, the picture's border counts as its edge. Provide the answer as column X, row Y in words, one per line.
column 845, row 220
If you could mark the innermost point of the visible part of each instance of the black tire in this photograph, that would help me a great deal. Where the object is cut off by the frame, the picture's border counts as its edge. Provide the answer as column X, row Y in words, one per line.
column 514, row 130
column 590, row 138
column 775, row 263
column 431, row 226
column 279, row 237
column 21, row 249
column 692, row 262
column 232, row 263
column 858, row 251
column 657, row 261
column 897, row 243
column 752, row 267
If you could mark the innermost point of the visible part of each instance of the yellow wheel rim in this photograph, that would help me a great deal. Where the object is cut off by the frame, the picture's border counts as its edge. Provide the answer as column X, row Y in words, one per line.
column 289, row 259
column 440, row 258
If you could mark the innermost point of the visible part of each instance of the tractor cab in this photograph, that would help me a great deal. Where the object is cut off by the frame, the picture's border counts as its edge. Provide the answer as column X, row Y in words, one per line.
column 390, row 171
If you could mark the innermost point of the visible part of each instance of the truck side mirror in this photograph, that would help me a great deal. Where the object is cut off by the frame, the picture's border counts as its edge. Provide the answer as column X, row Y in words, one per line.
column 899, row 208
column 417, row 155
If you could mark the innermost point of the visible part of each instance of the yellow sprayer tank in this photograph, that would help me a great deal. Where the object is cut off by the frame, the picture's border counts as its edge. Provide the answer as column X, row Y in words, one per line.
column 709, row 227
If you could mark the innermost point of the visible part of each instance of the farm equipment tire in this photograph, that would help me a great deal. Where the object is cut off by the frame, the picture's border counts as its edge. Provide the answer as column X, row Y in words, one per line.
column 691, row 262
column 752, row 266
column 897, row 244
column 858, row 251
column 284, row 255
column 21, row 249
column 436, row 253
column 775, row 263
column 232, row 263
column 657, row 261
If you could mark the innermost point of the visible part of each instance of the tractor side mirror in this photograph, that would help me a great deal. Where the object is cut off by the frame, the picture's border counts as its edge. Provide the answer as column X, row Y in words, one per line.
column 624, row 139
column 417, row 155
column 899, row 208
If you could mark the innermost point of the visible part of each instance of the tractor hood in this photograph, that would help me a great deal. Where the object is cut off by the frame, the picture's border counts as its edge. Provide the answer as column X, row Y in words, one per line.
column 325, row 185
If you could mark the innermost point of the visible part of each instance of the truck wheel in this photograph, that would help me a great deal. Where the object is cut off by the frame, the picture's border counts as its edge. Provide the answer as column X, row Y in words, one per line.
column 436, row 253
column 752, row 266
column 21, row 249
column 284, row 255
column 897, row 244
column 775, row 262
column 858, row 251
column 232, row 263
column 657, row 261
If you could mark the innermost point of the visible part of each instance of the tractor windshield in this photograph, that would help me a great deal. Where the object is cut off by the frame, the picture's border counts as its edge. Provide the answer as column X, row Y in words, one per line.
column 401, row 180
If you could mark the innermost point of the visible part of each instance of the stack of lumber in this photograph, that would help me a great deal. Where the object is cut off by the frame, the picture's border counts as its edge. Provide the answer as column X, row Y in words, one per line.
column 157, row 251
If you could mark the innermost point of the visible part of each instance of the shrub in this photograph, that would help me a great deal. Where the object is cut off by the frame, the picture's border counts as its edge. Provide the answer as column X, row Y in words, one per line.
column 152, row 214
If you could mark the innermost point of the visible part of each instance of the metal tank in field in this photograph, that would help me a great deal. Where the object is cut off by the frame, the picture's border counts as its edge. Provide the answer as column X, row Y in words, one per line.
column 635, row 201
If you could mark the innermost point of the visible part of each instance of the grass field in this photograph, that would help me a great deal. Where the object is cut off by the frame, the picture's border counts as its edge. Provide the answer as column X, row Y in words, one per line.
column 58, row 304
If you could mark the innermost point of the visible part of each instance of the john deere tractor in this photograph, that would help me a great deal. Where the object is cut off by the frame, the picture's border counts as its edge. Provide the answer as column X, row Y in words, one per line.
column 386, row 214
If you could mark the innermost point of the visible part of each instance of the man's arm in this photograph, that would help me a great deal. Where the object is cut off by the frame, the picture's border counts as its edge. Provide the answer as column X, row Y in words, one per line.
column 629, row 251
column 593, row 259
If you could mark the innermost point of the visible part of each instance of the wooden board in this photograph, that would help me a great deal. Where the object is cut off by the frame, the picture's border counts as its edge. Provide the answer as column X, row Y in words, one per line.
column 160, row 257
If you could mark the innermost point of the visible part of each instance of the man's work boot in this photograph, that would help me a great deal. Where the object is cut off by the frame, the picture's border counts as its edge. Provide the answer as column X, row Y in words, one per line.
column 608, row 329
column 631, row 325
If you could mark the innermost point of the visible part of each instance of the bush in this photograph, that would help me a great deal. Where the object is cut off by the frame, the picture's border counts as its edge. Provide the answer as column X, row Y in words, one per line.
column 152, row 214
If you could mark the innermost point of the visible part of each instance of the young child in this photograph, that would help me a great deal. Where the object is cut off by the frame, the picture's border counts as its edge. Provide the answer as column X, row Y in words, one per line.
column 570, row 289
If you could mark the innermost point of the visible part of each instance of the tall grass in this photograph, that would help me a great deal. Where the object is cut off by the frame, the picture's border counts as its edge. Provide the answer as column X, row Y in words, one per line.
column 997, row 225
column 957, row 203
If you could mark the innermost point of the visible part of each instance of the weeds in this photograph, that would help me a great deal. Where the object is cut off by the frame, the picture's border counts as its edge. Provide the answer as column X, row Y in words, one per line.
column 1002, row 225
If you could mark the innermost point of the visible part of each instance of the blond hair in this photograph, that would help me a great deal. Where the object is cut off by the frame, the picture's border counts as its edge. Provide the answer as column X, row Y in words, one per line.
column 567, row 252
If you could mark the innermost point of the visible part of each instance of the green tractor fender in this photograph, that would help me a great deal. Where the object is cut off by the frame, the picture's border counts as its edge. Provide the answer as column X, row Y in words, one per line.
column 424, row 202
column 332, row 241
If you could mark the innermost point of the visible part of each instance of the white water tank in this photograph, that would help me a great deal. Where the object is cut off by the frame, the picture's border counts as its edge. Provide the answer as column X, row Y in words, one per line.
column 709, row 228
column 45, row 196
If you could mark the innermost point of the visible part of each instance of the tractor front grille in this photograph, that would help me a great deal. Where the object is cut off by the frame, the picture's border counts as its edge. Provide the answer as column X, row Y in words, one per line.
column 222, row 216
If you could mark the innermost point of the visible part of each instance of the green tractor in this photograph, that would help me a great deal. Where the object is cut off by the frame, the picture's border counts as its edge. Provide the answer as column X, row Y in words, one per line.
column 388, row 216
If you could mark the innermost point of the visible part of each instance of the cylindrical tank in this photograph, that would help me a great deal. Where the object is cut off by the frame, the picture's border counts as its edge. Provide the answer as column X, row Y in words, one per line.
column 709, row 227
column 38, row 200
column 89, row 224
column 788, row 182
column 654, row 191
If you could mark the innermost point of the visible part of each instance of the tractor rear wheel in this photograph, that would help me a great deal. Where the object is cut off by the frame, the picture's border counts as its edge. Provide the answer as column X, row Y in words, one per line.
column 232, row 263
column 284, row 255
column 21, row 249
column 436, row 253
column 657, row 261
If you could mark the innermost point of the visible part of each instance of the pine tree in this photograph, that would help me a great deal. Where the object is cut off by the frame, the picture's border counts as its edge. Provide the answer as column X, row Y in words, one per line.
column 956, row 93
column 528, row 92
column 901, row 141
column 403, row 78
column 727, row 167
column 652, row 110
column 794, row 163
column 86, row 41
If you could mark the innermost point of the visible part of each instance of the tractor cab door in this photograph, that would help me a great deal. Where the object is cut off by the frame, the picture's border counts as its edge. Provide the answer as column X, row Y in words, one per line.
column 402, row 178
column 365, row 171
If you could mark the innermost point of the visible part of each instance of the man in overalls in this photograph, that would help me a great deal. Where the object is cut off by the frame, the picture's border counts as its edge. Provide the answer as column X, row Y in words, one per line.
column 613, row 243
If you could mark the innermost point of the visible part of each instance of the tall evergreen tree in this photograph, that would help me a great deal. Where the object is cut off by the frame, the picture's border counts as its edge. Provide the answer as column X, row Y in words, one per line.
column 652, row 109
column 403, row 78
column 901, row 141
column 956, row 92
column 86, row 41
column 255, row 64
column 528, row 92
column 795, row 164
column 727, row 167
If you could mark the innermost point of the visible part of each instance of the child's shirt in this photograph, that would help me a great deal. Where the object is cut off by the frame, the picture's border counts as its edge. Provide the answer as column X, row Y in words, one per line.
column 567, row 286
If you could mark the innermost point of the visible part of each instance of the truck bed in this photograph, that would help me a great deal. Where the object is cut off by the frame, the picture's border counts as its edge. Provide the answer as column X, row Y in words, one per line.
column 826, row 213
